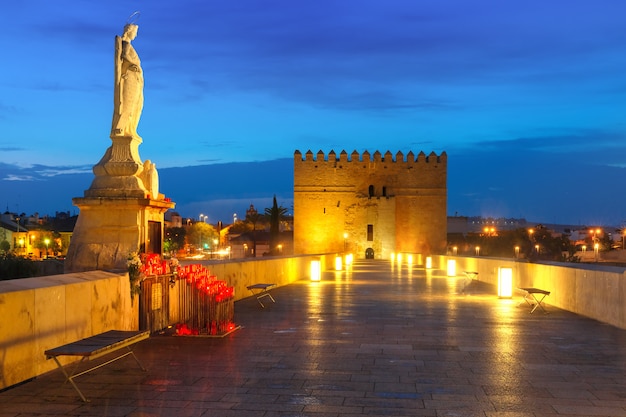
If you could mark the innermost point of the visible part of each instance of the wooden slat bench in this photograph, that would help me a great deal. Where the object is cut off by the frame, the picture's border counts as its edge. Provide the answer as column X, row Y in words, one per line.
column 94, row 347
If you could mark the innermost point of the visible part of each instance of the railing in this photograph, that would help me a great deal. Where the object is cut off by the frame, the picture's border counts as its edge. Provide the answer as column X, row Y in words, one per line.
column 154, row 303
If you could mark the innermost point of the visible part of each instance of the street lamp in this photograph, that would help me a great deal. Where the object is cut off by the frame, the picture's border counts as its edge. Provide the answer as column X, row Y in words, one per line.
column 47, row 242
column 203, row 218
column 517, row 252
column 345, row 241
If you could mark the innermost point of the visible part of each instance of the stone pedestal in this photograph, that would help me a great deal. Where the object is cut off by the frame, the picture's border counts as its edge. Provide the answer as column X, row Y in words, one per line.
column 122, row 212
column 109, row 229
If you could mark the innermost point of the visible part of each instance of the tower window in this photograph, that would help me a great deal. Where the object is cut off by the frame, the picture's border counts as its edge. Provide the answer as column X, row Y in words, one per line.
column 384, row 191
column 371, row 191
column 370, row 232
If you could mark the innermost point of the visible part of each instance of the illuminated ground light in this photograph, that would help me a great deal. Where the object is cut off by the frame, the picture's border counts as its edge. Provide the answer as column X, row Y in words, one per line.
column 316, row 273
column 338, row 263
column 451, row 268
column 429, row 262
column 505, row 282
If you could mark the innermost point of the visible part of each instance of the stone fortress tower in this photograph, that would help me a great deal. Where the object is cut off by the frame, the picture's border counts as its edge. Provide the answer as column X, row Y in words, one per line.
column 122, row 211
column 370, row 203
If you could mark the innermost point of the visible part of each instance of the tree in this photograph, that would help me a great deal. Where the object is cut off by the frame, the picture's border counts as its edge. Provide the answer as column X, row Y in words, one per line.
column 174, row 239
column 201, row 235
column 274, row 216
column 5, row 246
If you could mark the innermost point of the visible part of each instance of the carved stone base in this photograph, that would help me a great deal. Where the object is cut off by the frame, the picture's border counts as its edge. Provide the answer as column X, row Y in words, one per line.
column 110, row 228
column 119, row 171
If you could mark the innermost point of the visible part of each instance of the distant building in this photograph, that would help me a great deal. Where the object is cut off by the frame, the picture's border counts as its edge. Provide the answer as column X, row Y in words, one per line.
column 369, row 202
column 173, row 219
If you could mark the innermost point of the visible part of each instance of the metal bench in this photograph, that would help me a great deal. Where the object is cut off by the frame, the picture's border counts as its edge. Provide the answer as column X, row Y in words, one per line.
column 94, row 347
column 469, row 277
column 262, row 290
column 531, row 297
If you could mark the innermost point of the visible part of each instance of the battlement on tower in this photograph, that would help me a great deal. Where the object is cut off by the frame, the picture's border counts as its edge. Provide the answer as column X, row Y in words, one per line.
column 370, row 202
column 377, row 157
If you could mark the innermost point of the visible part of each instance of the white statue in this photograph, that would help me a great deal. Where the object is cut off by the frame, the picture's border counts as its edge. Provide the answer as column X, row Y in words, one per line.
column 128, row 91
column 150, row 178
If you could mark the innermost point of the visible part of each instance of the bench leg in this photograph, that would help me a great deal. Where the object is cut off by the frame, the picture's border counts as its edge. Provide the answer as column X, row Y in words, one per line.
column 538, row 304
column 70, row 377
column 264, row 294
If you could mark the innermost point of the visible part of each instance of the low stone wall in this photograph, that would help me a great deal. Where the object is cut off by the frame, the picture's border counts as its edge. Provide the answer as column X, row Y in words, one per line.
column 592, row 290
column 45, row 312
column 42, row 313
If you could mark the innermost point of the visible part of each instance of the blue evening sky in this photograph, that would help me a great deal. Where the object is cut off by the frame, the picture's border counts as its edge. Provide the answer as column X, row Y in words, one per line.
column 538, row 86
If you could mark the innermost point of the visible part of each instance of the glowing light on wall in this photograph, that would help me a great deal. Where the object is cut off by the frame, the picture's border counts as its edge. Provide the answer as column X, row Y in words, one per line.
column 399, row 258
column 429, row 262
column 505, row 282
column 349, row 259
column 451, row 268
column 338, row 263
column 410, row 259
column 316, row 273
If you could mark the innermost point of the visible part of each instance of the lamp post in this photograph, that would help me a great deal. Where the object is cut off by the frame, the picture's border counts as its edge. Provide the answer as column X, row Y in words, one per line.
column 47, row 242
column 345, row 241
column 516, row 252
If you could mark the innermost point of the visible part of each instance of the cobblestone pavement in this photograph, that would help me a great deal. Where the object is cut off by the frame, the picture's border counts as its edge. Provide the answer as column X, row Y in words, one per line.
column 379, row 341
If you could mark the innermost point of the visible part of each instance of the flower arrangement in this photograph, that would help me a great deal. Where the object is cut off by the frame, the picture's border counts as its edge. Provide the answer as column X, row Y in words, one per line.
column 174, row 263
column 134, row 265
column 174, row 271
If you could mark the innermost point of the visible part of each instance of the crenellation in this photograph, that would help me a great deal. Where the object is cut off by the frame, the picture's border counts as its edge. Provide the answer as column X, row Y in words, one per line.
column 402, row 199
column 371, row 160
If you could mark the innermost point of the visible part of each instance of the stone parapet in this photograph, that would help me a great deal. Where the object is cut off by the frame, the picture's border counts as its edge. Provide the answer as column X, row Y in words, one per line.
column 45, row 312
column 592, row 290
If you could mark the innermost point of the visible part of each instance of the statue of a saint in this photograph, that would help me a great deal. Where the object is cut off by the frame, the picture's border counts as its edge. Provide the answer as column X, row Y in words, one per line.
column 128, row 91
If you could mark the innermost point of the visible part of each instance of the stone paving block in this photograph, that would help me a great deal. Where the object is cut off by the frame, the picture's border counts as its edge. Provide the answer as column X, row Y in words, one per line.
column 379, row 344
